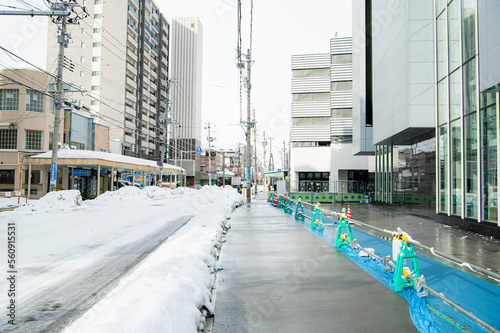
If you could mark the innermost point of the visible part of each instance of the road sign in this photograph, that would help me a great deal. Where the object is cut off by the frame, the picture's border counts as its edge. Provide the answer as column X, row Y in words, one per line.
column 279, row 170
column 198, row 150
column 159, row 163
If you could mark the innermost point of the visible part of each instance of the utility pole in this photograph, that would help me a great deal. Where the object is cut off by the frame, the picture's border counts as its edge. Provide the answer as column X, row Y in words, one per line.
column 248, row 159
column 284, row 155
column 271, row 161
column 61, row 12
column 264, row 144
column 209, row 156
column 255, row 149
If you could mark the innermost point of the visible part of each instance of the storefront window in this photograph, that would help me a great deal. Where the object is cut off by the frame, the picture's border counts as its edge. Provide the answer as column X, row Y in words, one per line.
column 455, row 95
column 453, row 35
column 456, row 167
column 490, row 148
column 470, row 86
column 468, row 29
column 443, row 170
column 442, row 47
column 471, row 185
column 442, row 96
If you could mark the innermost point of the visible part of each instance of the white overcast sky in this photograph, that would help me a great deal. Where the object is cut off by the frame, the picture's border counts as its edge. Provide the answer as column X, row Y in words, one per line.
column 280, row 29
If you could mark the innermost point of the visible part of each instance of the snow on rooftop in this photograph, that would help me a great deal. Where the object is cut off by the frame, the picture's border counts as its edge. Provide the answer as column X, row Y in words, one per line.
column 90, row 154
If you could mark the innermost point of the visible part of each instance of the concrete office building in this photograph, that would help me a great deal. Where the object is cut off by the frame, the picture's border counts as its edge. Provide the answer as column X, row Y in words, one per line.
column 120, row 58
column 185, row 95
column 436, row 73
column 321, row 132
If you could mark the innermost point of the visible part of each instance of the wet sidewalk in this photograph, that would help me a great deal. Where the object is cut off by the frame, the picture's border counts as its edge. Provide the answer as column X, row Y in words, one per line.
column 423, row 224
column 278, row 277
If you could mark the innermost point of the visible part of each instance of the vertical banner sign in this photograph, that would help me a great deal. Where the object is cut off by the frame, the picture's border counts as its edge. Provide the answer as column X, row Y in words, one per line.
column 53, row 175
column 248, row 172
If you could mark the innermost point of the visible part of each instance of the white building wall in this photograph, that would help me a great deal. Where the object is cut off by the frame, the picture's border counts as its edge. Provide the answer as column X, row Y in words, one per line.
column 403, row 68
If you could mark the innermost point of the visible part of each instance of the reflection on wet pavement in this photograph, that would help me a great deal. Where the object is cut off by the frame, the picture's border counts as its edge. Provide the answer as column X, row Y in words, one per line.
column 421, row 222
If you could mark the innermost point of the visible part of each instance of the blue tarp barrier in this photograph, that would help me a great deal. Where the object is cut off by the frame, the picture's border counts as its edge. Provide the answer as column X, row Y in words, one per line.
column 429, row 314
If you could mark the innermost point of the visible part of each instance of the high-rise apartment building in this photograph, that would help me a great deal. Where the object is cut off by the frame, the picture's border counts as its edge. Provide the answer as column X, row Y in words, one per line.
column 119, row 57
column 321, row 132
column 185, row 94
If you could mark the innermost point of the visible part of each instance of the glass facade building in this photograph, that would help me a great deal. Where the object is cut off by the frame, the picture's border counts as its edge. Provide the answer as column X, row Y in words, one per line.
column 466, row 119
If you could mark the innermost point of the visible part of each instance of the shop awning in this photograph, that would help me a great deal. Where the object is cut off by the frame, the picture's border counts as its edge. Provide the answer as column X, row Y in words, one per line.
column 88, row 158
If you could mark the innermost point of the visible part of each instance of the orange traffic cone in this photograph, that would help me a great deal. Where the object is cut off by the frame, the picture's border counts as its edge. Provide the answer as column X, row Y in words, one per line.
column 349, row 212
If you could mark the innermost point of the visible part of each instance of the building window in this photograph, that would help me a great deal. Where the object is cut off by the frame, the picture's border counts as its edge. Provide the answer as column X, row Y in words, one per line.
column 311, row 97
column 455, row 95
column 341, row 85
column 9, row 99
column 33, row 140
column 7, row 180
column 314, row 72
column 82, row 45
column 471, row 171
column 470, row 86
column 490, row 150
column 442, row 107
column 34, row 101
column 97, row 30
column 443, row 169
column 441, row 47
column 95, row 87
column 96, row 73
column 94, row 102
column 96, row 44
column 96, row 16
column 36, row 177
column 8, row 138
column 52, row 106
column 102, row 150
column 456, row 167
column 454, row 35
column 96, row 59
column 97, row 2
column 342, row 58
column 468, row 29
column 78, row 145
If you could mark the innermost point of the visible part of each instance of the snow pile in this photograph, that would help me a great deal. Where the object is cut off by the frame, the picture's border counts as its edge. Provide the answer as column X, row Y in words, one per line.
column 170, row 291
column 57, row 201
column 158, row 193
column 123, row 194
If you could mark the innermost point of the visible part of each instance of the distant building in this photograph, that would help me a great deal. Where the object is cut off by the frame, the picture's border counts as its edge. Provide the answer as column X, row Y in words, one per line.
column 120, row 57
column 321, row 133
column 185, row 94
column 26, row 128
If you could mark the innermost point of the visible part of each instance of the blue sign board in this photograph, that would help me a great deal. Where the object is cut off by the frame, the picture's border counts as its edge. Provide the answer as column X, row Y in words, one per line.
column 279, row 170
column 198, row 150
column 53, row 175
column 159, row 163
column 83, row 173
